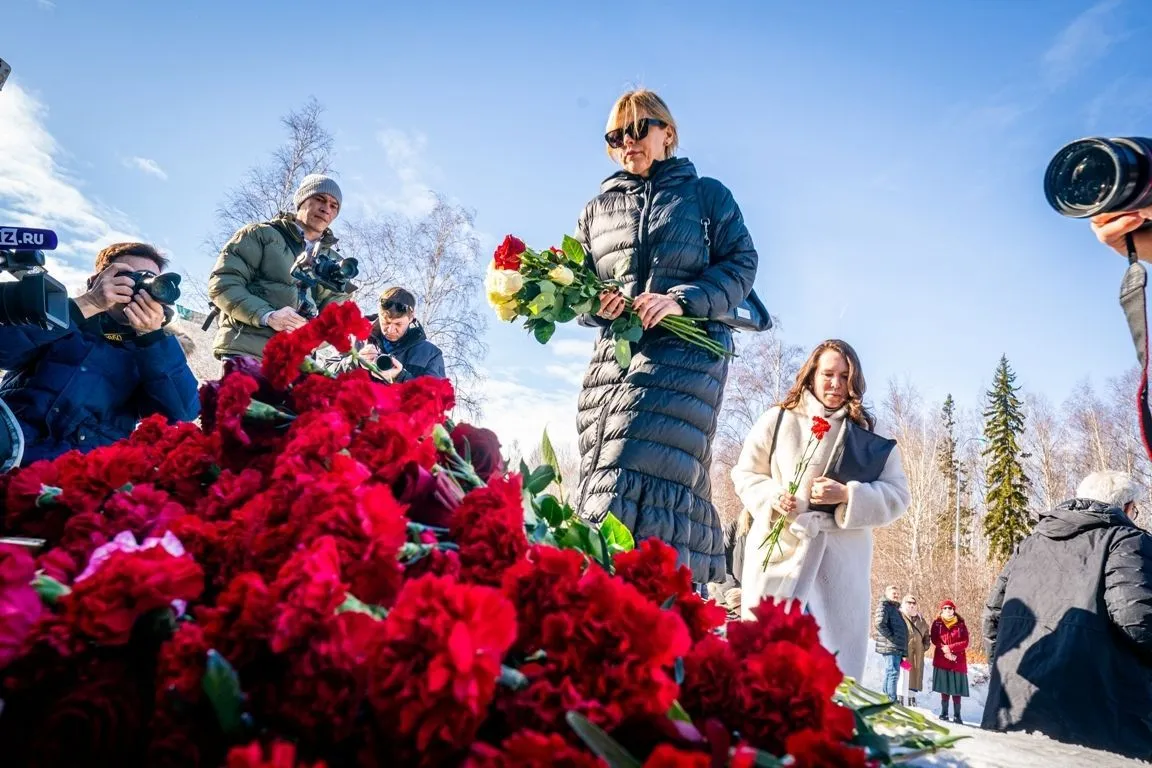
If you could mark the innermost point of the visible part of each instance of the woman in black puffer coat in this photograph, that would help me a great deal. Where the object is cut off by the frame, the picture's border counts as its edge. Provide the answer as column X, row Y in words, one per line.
column 678, row 245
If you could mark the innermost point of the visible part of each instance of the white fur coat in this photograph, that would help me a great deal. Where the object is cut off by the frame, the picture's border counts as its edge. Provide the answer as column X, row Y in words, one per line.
column 825, row 561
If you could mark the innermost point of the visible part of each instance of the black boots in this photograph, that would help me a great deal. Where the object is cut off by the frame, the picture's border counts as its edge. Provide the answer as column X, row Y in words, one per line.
column 944, row 709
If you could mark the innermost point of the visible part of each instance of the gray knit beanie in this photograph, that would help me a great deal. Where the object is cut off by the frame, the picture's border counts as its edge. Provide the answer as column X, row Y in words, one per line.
column 316, row 184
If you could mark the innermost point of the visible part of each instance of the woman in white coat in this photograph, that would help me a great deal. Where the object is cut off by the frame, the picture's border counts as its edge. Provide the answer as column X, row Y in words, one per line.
column 854, row 483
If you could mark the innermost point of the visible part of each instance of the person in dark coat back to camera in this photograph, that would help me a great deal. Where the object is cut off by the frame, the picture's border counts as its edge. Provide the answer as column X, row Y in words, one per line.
column 678, row 245
column 950, row 662
column 1068, row 625
column 891, row 638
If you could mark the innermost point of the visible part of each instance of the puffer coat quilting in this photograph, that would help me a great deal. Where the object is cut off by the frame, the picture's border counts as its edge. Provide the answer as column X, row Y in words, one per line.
column 646, row 432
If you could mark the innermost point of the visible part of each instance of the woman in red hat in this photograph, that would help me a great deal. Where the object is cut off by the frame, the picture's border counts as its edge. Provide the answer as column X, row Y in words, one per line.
column 950, row 662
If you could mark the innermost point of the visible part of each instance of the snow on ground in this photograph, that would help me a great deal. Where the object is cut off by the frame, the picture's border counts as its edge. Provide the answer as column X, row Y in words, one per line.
column 986, row 749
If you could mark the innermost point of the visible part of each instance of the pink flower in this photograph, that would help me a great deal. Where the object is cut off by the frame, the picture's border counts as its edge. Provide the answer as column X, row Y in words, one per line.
column 20, row 606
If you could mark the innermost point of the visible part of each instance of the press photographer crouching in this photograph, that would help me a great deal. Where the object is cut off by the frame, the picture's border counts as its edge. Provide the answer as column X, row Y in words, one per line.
column 397, row 345
column 88, row 384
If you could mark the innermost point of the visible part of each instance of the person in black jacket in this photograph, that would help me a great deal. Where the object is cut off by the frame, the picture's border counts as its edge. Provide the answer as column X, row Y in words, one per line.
column 678, row 245
column 891, row 638
column 397, row 334
column 87, row 385
column 1068, row 625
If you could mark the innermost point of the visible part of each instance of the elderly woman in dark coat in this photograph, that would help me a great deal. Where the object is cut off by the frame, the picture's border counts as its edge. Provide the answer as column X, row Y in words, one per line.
column 678, row 245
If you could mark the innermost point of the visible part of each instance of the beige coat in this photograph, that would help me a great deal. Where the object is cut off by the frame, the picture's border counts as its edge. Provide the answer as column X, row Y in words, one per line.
column 826, row 560
column 919, row 641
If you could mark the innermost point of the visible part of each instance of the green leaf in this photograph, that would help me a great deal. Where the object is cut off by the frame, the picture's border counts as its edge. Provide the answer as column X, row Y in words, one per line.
column 623, row 352
column 49, row 589
column 667, row 604
column 553, row 511
column 547, row 286
column 221, row 685
column 544, row 331
column 572, row 249
column 678, row 670
column 580, row 536
column 548, row 452
column 633, row 332
column 259, row 411
column 355, row 605
column 540, row 479
column 676, row 712
column 601, row 744
column 541, row 303
column 617, row 535
column 582, row 307
column 875, row 709
column 564, row 314
column 48, row 495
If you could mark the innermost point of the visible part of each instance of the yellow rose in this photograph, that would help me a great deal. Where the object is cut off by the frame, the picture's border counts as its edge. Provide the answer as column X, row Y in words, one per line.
column 503, row 282
column 561, row 275
column 506, row 311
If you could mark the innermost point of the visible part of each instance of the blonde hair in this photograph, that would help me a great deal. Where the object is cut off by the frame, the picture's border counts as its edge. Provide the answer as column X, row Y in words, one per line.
column 637, row 104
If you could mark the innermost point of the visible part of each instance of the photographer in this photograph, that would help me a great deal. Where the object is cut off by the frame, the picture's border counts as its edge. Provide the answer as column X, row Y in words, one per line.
column 397, row 343
column 88, row 384
column 252, row 283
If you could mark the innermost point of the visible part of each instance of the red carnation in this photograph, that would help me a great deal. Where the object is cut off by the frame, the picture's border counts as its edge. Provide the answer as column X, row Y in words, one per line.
column 339, row 323
column 813, row 749
column 666, row 756
column 180, row 664
column 279, row 754
column 105, row 606
column 820, row 427
column 529, row 749
column 20, row 606
column 774, row 622
column 308, row 590
column 432, row 679
column 508, row 253
column 488, row 526
column 652, row 569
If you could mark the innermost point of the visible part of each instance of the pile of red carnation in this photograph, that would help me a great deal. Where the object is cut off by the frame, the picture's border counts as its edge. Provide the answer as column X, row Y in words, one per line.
column 316, row 577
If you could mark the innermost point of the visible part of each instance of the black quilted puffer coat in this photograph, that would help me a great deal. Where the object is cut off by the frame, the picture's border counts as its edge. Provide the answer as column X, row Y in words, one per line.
column 646, row 432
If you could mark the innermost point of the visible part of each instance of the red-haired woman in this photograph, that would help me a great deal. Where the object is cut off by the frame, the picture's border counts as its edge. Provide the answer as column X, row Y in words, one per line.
column 950, row 663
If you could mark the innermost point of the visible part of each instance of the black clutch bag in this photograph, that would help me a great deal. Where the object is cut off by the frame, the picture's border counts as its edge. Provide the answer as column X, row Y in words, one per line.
column 861, row 457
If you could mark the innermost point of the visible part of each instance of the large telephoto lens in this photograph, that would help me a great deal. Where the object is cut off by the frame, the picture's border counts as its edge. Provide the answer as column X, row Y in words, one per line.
column 1093, row 176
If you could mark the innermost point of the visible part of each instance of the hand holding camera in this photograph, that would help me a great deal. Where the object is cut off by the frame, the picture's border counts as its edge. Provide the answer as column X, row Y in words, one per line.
column 111, row 287
column 144, row 313
column 286, row 319
column 1110, row 229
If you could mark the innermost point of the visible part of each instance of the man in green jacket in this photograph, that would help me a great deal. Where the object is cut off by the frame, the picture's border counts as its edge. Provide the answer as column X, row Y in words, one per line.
column 252, row 283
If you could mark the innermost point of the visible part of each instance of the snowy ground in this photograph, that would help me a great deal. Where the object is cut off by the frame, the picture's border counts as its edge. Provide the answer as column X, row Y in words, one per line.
column 992, row 750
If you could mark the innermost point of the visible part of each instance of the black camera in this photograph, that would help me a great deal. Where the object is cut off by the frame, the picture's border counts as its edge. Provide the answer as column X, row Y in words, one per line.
column 1096, row 175
column 163, row 288
column 35, row 298
column 334, row 274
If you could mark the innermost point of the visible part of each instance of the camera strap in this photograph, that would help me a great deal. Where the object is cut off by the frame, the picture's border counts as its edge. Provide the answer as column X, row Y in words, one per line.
column 1134, row 302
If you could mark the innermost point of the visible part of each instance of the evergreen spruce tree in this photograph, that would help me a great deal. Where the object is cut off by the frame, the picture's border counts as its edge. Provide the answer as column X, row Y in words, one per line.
column 1006, row 521
column 949, row 464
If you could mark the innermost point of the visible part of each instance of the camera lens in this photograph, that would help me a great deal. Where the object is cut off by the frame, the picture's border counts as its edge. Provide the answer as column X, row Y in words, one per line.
column 349, row 267
column 164, row 288
column 1093, row 176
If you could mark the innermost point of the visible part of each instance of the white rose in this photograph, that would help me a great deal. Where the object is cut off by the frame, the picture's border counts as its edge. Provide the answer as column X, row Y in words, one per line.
column 503, row 282
column 561, row 275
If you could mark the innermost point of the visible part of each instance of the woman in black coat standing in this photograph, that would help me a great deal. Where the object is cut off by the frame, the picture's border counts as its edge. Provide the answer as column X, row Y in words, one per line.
column 678, row 245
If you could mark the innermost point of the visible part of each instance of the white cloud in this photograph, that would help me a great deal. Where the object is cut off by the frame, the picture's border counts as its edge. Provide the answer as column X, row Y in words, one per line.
column 1085, row 40
column 146, row 165
column 519, row 413
column 46, row 5
column 405, row 153
column 571, row 373
column 39, row 192
column 580, row 348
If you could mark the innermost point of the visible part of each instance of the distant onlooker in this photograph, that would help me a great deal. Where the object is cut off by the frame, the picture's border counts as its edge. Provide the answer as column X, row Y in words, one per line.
column 397, row 343
column 1068, row 626
column 950, row 662
column 891, row 638
column 919, row 641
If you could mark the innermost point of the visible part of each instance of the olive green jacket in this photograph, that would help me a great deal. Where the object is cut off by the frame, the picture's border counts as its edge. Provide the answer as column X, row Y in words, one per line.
column 253, row 276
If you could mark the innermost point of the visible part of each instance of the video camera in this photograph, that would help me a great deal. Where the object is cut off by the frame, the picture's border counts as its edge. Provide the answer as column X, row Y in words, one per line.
column 323, row 270
column 35, row 298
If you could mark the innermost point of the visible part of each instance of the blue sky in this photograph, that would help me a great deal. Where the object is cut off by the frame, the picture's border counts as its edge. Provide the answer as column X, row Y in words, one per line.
column 887, row 156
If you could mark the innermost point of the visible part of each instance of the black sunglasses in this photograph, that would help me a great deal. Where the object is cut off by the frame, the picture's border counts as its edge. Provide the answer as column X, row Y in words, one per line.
column 396, row 306
column 637, row 131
